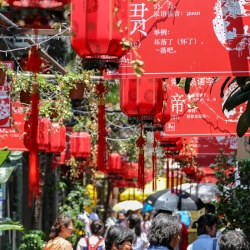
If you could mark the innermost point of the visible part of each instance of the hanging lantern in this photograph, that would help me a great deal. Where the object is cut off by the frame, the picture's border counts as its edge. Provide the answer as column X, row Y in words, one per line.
column 141, row 98
column 57, row 138
column 132, row 171
column 164, row 116
column 120, row 183
column 80, row 144
column 42, row 139
column 95, row 27
column 148, row 176
column 114, row 163
column 37, row 3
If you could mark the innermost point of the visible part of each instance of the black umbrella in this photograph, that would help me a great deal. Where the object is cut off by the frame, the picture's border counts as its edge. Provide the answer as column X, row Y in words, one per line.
column 166, row 200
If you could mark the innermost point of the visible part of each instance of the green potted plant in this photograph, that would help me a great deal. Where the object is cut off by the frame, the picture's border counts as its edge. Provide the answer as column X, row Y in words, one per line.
column 77, row 82
column 33, row 240
column 73, row 205
column 5, row 71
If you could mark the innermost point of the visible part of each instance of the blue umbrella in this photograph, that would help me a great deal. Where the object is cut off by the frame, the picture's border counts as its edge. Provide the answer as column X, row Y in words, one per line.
column 147, row 208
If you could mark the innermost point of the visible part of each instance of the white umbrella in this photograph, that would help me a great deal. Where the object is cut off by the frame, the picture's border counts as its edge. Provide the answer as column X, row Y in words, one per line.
column 128, row 205
column 205, row 191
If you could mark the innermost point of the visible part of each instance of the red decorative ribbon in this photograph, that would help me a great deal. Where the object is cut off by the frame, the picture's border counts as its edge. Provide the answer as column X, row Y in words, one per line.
column 154, row 167
column 101, row 153
column 33, row 161
column 140, row 144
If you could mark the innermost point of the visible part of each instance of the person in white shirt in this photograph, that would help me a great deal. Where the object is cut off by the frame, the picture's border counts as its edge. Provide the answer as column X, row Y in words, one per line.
column 206, row 230
column 134, row 222
column 95, row 241
column 146, row 223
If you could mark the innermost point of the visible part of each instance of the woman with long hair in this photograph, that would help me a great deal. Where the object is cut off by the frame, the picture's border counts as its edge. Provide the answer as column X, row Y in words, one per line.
column 134, row 222
column 95, row 240
column 206, row 231
column 62, row 228
column 145, row 225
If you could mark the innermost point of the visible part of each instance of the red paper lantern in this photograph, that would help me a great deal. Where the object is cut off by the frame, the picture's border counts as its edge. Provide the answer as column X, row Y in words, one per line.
column 141, row 98
column 80, row 144
column 132, row 171
column 37, row 3
column 94, row 24
column 57, row 138
column 148, row 176
column 114, row 163
column 164, row 116
column 42, row 139
column 120, row 183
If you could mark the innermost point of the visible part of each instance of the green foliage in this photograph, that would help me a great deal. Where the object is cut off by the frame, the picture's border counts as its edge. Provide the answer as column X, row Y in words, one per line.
column 237, row 97
column 73, row 205
column 242, row 125
column 33, row 240
column 8, row 224
column 233, row 207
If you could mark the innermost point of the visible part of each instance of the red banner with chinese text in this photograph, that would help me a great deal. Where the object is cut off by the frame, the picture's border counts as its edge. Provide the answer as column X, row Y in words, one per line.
column 207, row 148
column 179, row 38
column 200, row 112
column 5, row 102
column 12, row 138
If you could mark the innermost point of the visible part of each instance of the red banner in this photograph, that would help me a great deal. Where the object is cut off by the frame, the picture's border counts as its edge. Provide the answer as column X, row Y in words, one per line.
column 200, row 112
column 178, row 38
column 12, row 138
column 207, row 148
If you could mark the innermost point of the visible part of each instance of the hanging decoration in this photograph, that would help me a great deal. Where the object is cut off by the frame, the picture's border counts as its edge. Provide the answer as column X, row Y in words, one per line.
column 101, row 151
column 154, row 166
column 34, row 65
column 37, row 3
column 141, row 98
column 42, row 139
column 97, row 28
column 80, row 145
column 57, row 138
column 140, row 144
column 114, row 163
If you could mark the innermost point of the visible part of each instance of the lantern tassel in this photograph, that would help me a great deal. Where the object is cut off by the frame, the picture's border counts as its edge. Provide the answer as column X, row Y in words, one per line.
column 154, row 167
column 33, row 161
column 140, row 144
column 172, row 181
column 141, row 169
column 167, row 175
column 101, row 136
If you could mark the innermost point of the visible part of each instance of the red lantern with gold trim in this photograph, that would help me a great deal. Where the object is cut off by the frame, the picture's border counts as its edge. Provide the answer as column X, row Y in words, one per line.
column 95, row 28
column 141, row 98
column 37, row 3
column 114, row 163
column 132, row 171
column 80, row 144
column 42, row 139
column 148, row 175
column 57, row 138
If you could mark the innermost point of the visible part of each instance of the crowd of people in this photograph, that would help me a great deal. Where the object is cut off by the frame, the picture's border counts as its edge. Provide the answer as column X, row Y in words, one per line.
column 129, row 230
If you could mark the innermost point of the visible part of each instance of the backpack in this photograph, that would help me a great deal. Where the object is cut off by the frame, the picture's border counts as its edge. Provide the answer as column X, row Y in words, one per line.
column 185, row 217
column 91, row 246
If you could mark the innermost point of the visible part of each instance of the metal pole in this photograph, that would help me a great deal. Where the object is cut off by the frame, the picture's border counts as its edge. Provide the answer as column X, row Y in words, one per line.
column 14, row 233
